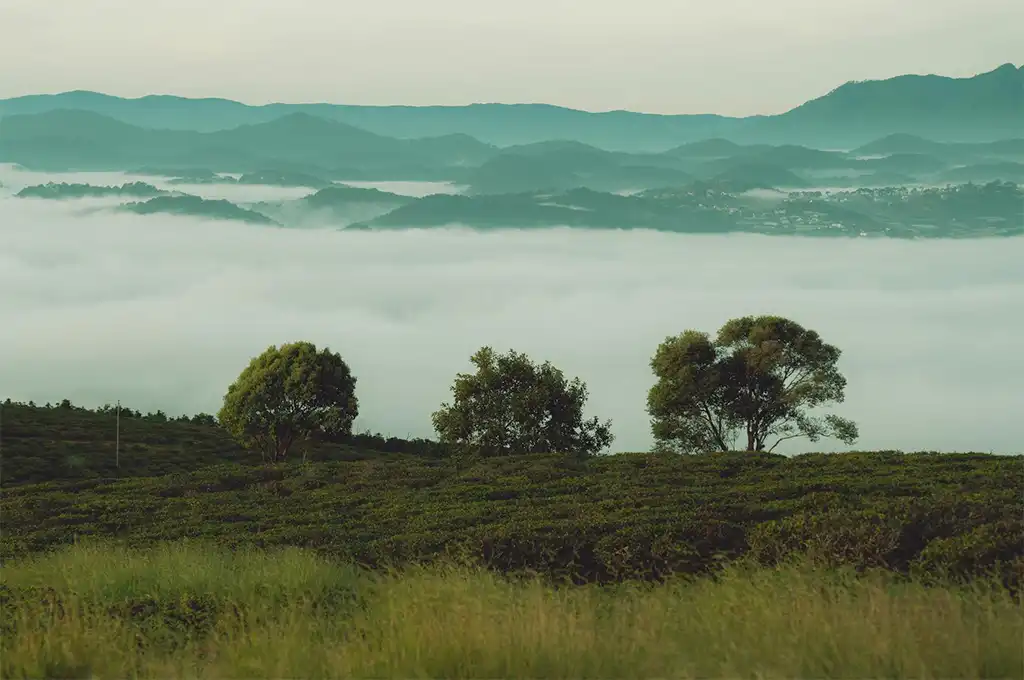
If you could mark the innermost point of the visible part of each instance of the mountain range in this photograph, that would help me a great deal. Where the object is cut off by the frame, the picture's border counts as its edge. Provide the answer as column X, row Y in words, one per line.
column 75, row 139
column 301, row 150
column 982, row 108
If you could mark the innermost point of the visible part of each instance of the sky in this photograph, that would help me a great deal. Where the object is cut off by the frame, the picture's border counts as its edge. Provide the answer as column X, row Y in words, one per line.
column 731, row 57
column 163, row 312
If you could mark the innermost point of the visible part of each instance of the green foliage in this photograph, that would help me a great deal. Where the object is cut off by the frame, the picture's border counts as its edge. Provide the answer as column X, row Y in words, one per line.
column 186, row 204
column 721, row 204
column 512, row 406
column 607, row 518
column 759, row 377
column 604, row 518
column 288, row 393
column 67, row 442
column 191, row 610
column 55, row 191
column 284, row 179
column 173, row 594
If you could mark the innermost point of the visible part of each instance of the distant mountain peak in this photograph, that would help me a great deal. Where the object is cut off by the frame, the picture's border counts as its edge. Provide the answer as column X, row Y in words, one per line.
column 987, row 105
column 306, row 123
column 1007, row 68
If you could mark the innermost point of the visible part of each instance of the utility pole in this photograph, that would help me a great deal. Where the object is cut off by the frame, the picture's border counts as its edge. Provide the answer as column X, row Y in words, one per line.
column 117, row 438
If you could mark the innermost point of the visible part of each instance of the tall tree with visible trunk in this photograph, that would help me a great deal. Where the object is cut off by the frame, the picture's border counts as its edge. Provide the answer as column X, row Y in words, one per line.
column 758, row 380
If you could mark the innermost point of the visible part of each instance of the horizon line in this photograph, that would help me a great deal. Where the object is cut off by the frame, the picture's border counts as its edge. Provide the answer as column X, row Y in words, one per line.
column 496, row 104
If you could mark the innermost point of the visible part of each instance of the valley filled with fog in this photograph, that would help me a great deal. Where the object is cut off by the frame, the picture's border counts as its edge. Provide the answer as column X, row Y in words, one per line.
column 162, row 312
column 473, row 340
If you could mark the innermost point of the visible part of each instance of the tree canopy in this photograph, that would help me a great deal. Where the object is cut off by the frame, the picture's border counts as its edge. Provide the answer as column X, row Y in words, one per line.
column 289, row 393
column 760, row 377
column 514, row 406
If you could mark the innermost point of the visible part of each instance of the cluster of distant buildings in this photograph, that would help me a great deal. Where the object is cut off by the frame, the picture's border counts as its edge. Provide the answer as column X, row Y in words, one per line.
column 904, row 211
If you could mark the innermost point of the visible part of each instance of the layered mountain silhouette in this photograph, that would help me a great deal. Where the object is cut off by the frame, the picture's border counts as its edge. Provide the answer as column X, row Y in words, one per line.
column 985, row 107
column 301, row 149
column 65, row 139
column 982, row 108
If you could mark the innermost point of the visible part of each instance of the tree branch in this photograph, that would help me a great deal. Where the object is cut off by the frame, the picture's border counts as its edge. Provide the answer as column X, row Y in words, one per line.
column 802, row 376
column 716, row 429
column 782, row 439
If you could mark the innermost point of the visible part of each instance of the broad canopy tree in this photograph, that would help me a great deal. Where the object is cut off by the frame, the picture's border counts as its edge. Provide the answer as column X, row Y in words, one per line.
column 514, row 406
column 289, row 393
column 759, row 377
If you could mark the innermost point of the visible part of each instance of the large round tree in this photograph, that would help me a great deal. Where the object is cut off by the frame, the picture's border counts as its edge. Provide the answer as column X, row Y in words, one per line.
column 514, row 406
column 289, row 393
column 759, row 380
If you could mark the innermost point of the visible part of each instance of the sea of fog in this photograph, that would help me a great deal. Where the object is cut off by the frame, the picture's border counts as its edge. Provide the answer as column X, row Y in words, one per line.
column 162, row 312
column 15, row 180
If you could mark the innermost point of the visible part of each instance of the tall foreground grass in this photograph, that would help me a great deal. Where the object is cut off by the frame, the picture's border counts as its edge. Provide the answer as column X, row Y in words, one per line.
column 188, row 610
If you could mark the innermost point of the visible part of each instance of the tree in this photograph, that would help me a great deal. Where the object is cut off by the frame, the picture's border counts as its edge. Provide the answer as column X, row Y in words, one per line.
column 288, row 393
column 513, row 406
column 760, row 377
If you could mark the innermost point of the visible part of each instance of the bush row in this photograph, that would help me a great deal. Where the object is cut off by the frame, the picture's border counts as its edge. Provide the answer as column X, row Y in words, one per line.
column 605, row 519
column 49, row 443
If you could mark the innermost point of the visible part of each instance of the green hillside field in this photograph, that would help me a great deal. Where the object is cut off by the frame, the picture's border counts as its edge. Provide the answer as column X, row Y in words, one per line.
column 607, row 518
column 180, row 554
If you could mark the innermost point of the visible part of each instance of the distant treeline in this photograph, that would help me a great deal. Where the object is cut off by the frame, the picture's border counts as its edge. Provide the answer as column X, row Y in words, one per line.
column 363, row 440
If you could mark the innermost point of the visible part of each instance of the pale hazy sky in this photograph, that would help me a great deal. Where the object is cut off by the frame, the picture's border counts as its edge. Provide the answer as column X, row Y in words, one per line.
column 734, row 57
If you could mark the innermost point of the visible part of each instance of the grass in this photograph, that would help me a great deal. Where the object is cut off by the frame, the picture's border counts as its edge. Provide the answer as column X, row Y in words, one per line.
column 98, row 581
column 190, row 609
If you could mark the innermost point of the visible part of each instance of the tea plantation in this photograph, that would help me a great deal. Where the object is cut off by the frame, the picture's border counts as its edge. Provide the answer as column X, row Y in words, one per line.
column 634, row 515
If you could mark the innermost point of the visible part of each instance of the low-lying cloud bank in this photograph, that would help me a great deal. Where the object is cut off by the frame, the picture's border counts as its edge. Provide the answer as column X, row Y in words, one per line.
column 163, row 312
